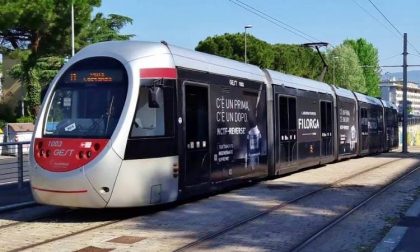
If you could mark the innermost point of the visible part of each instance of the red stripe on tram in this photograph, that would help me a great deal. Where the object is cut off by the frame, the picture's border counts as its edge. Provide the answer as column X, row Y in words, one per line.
column 59, row 191
column 157, row 73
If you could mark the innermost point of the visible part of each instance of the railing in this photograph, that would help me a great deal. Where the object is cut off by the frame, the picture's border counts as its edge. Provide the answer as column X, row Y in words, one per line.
column 14, row 163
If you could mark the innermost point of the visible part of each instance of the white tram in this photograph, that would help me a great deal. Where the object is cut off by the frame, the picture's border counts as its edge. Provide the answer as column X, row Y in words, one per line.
column 130, row 123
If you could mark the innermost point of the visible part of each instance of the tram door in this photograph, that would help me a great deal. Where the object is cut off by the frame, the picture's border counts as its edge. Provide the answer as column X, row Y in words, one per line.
column 287, row 133
column 326, row 129
column 364, row 125
column 197, row 162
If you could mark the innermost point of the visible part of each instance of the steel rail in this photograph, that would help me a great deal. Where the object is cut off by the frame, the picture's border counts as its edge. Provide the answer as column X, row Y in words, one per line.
column 219, row 232
column 349, row 212
column 239, row 223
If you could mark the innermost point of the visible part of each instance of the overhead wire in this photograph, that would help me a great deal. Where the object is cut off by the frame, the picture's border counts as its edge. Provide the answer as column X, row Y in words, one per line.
column 383, row 15
column 277, row 20
column 414, row 55
column 375, row 18
column 391, row 57
column 274, row 21
column 393, row 26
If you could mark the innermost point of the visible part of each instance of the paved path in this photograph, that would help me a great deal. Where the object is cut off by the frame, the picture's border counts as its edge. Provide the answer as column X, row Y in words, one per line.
column 10, row 194
column 405, row 236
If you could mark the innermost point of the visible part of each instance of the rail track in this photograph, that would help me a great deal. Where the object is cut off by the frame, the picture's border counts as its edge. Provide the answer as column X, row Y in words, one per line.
column 211, row 236
column 91, row 218
column 70, row 216
column 308, row 240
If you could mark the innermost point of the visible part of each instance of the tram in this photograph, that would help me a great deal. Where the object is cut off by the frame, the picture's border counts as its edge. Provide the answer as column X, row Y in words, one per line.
column 129, row 123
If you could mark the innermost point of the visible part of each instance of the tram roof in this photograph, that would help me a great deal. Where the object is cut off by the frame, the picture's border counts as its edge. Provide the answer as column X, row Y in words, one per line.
column 129, row 50
column 368, row 99
column 389, row 104
column 214, row 64
column 299, row 82
column 344, row 92
column 186, row 58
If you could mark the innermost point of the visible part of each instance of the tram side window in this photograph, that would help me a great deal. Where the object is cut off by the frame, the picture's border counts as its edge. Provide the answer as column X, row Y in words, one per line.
column 380, row 120
column 284, row 116
column 364, row 118
column 153, row 121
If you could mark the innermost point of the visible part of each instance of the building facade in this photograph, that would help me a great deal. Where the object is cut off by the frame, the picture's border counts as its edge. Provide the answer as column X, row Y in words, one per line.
column 392, row 91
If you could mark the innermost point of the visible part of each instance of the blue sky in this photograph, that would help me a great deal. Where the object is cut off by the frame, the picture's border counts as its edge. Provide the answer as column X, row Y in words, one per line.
column 186, row 22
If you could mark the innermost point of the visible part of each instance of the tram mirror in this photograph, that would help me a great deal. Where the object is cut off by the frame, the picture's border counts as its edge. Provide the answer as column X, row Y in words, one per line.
column 153, row 97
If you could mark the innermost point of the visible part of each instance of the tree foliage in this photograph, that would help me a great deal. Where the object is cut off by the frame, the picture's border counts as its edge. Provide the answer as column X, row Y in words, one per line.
column 35, row 29
column 43, row 26
column 232, row 46
column 38, row 32
column 369, row 60
column 297, row 60
column 292, row 59
column 39, row 75
column 102, row 28
column 345, row 70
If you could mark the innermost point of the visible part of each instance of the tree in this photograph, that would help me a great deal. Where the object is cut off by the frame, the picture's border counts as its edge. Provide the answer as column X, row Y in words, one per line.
column 34, row 29
column 344, row 69
column 232, row 46
column 38, row 32
column 369, row 60
column 39, row 75
column 297, row 60
column 102, row 28
column 292, row 59
column 42, row 26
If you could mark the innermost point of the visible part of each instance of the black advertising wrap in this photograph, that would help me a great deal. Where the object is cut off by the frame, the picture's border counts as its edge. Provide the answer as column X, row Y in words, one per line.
column 237, row 124
column 238, row 128
column 347, row 127
column 308, row 126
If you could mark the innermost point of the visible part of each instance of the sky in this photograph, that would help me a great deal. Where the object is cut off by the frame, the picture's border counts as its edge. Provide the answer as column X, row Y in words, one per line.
column 186, row 22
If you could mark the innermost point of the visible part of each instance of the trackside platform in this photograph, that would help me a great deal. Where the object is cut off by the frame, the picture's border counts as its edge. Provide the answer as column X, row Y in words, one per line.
column 405, row 236
column 10, row 194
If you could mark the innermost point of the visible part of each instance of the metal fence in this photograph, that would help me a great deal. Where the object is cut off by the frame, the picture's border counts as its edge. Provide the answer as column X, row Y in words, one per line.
column 14, row 163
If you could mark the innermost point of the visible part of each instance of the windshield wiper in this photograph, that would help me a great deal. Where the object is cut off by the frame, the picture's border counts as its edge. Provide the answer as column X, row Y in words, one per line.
column 109, row 113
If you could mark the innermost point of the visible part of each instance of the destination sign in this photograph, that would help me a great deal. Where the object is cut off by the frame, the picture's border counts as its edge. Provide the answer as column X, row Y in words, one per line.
column 93, row 76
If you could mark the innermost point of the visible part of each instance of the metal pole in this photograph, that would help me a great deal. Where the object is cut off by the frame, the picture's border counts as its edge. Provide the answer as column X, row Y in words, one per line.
column 246, row 27
column 23, row 103
column 72, row 29
column 20, row 165
column 245, row 46
column 405, row 116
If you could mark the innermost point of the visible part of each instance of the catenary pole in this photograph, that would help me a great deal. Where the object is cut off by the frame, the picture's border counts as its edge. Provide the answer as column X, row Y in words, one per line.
column 246, row 27
column 72, row 29
column 405, row 116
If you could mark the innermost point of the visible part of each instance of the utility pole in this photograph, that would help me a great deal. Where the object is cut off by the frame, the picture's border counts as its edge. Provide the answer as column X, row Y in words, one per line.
column 72, row 28
column 246, row 27
column 405, row 116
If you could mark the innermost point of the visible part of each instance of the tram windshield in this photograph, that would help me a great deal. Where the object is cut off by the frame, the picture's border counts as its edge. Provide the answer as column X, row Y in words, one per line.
column 87, row 100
